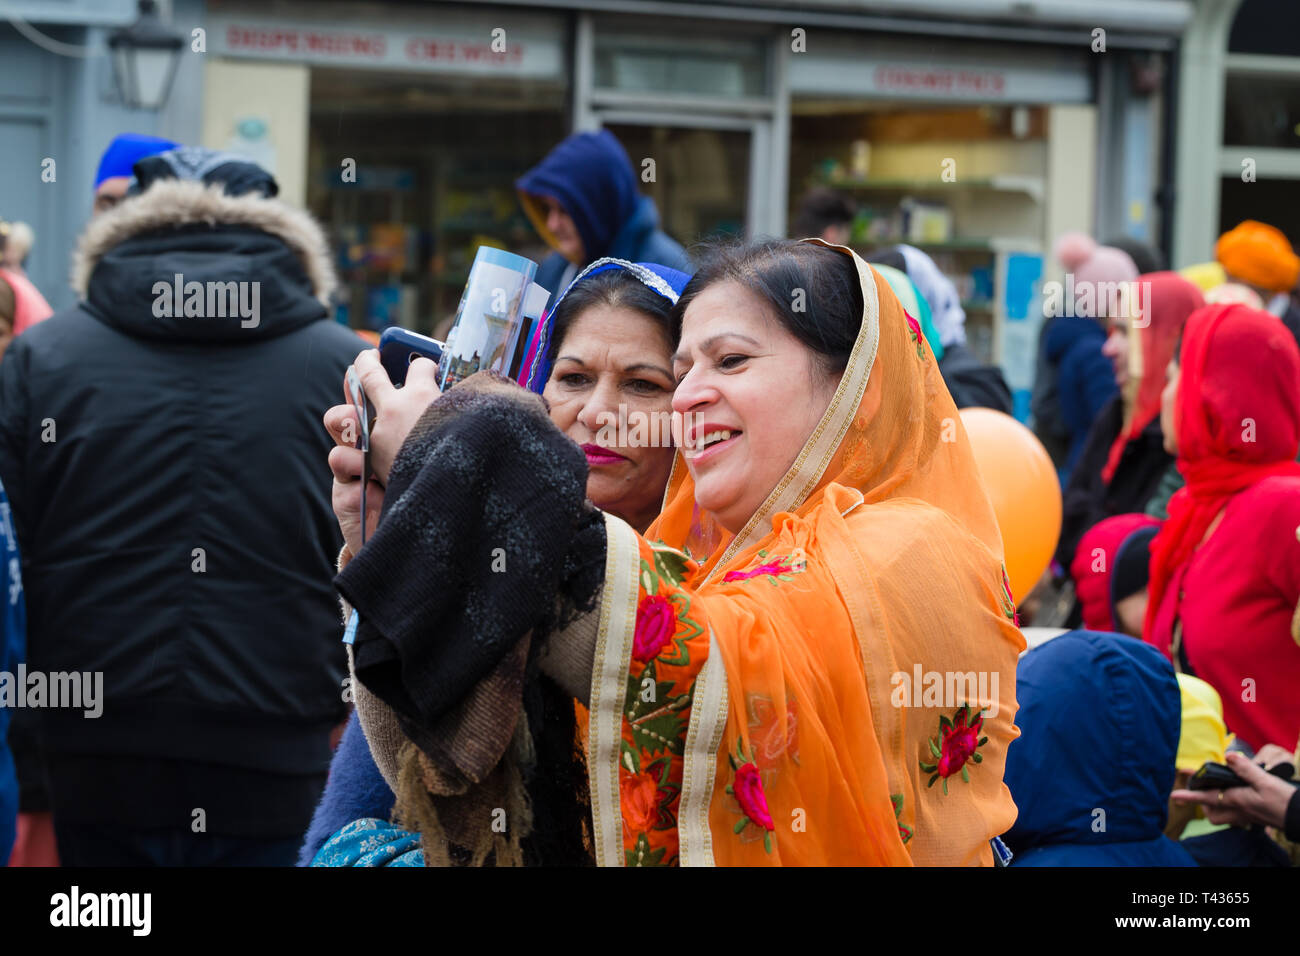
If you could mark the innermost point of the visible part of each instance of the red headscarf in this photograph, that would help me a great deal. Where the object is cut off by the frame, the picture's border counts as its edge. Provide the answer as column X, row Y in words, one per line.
column 1091, row 576
column 1168, row 301
column 1238, row 420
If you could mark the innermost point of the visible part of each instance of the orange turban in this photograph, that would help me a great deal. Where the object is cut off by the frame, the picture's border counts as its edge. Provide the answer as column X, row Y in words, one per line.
column 1260, row 255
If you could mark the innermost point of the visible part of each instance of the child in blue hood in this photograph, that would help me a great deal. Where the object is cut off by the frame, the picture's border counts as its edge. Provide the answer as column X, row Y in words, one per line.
column 583, row 200
column 1091, row 774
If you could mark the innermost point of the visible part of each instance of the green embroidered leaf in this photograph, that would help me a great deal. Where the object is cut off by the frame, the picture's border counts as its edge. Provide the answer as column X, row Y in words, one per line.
column 977, row 757
column 681, row 603
column 740, row 825
column 679, row 659
column 944, row 722
column 965, row 774
column 934, row 749
column 932, row 780
column 671, row 565
column 649, row 580
column 983, row 741
column 642, row 855
column 897, row 800
column 631, row 753
column 666, row 731
column 767, row 840
column 945, row 786
column 928, row 767
column 662, row 767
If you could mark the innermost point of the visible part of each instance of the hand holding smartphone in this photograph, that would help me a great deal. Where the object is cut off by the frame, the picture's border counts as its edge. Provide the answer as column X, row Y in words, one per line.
column 399, row 347
column 357, row 395
column 1216, row 776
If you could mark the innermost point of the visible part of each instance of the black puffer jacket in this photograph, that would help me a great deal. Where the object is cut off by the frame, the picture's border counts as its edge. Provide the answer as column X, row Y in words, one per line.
column 170, row 488
column 972, row 383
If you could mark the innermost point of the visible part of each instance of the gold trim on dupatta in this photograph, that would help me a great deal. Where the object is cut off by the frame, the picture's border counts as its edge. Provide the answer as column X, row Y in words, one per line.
column 708, row 720
column 820, row 448
column 608, row 685
column 710, row 702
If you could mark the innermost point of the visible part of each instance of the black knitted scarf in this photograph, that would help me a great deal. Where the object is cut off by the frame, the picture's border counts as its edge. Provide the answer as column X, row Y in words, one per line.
column 485, row 547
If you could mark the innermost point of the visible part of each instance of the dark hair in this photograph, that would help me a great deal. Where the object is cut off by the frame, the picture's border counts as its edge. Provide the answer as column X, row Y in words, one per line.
column 889, row 256
column 813, row 291
column 613, row 289
column 1145, row 256
column 821, row 208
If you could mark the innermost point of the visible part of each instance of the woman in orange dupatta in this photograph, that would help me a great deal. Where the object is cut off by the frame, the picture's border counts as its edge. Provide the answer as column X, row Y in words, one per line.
column 830, row 680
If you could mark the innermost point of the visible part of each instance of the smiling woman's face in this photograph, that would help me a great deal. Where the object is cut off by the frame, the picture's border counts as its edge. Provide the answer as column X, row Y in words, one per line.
column 748, row 396
column 611, row 392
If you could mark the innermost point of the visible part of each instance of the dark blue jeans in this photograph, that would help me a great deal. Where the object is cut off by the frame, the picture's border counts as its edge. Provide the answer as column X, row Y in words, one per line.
column 92, row 844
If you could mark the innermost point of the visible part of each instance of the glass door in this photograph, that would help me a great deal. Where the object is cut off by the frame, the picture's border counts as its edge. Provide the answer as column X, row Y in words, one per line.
column 698, row 177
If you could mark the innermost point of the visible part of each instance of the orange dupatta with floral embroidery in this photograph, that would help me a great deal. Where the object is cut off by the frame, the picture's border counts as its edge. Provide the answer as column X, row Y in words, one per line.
column 836, row 683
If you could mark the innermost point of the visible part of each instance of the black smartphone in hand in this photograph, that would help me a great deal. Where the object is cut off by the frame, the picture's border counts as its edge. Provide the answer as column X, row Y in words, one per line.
column 1216, row 776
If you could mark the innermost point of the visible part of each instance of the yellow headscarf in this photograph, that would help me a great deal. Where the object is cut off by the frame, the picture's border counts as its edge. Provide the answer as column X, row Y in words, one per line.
column 1204, row 737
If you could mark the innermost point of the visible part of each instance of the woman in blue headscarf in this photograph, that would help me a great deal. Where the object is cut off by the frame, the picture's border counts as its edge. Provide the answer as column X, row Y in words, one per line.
column 602, row 359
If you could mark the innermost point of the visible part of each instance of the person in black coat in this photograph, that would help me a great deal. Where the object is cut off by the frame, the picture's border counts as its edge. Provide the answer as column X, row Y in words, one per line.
column 1088, row 498
column 161, row 446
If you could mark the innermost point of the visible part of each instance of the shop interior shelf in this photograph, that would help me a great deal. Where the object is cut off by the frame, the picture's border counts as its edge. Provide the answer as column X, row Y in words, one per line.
column 1031, row 186
column 985, row 246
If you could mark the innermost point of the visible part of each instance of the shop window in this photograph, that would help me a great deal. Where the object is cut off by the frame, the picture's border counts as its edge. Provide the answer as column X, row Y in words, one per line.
column 436, row 159
column 648, row 64
column 1266, row 26
column 1262, row 110
column 1261, row 200
column 965, row 184
column 701, row 181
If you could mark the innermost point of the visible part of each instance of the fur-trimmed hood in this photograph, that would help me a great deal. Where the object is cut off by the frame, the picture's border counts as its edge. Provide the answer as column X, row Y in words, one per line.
column 172, row 203
column 187, row 261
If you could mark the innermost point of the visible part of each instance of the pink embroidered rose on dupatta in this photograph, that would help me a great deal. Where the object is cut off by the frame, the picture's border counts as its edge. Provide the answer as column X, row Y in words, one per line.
column 656, row 622
column 748, row 790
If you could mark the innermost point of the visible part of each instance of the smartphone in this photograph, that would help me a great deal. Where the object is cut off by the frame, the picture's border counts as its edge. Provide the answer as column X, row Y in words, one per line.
column 1216, row 776
column 399, row 347
column 357, row 395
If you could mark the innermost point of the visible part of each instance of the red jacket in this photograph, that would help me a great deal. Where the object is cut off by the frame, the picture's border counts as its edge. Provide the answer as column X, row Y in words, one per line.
column 1241, row 623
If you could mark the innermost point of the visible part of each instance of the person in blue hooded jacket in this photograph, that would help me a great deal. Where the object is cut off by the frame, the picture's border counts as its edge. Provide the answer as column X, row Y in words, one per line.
column 583, row 200
column 13, row 636
column 1091, row 774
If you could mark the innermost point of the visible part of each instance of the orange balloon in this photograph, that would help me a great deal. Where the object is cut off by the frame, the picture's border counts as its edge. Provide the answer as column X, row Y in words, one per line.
column 1024, row 489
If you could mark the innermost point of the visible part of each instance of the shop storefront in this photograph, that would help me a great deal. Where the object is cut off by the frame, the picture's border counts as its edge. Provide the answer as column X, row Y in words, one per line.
column 978, row 144
column 976, row 154
column 403, row 131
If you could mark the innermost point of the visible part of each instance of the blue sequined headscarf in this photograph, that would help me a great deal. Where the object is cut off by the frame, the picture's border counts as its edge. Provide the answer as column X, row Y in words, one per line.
column 667, row 282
